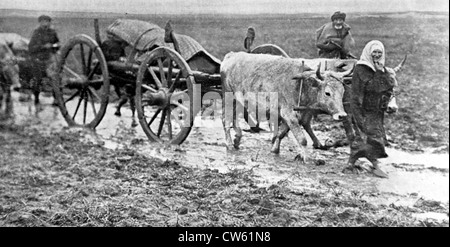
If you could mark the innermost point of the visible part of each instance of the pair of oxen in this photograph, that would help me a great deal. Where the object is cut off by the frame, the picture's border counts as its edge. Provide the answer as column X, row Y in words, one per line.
column 304, row 87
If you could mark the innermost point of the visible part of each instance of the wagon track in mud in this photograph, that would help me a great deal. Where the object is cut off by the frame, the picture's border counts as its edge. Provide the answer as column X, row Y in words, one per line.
column 59, row 176
column 68, row 182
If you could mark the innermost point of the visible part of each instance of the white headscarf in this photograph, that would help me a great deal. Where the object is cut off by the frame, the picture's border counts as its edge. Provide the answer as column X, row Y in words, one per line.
column 366, row 55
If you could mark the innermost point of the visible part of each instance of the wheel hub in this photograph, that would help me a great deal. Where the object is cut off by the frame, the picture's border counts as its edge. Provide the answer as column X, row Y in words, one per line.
column 160, row 99
column 76, row 83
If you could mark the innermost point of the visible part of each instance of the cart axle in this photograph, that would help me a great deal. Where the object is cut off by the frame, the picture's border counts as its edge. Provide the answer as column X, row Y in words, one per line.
column 82, row 82
column 160, row 98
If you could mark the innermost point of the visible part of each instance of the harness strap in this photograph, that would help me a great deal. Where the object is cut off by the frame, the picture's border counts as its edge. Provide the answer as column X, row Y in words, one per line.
column 300, row 92
column 301, row 85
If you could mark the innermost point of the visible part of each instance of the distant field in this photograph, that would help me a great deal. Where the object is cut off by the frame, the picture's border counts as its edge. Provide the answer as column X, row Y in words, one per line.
column 424, row 83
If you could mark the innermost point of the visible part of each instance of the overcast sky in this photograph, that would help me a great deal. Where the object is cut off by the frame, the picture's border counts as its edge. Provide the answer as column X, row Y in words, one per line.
column 226, row 6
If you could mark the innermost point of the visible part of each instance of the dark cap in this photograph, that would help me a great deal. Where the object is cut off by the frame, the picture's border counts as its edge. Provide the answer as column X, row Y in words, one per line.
column 44, row 18
column 338, row 15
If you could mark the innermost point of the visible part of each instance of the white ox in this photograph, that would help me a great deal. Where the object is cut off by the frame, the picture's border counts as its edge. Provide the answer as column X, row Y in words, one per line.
column 336, row 65
column 9, row 74
column 243, row 73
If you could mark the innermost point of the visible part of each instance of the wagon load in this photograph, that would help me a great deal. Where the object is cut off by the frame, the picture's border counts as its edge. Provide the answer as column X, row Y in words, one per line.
column 146, row 36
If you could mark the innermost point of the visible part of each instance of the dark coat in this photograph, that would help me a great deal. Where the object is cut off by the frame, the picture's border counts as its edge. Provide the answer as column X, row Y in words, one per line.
column 371, row 92
column 342, row 41
column 39, row 38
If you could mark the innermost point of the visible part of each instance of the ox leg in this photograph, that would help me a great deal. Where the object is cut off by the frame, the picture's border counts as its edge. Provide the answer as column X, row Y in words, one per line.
column 227, row 122
column 276, row 140
column 277, row 131
column 5, row 94
column 253, row 123
column 306, row 123
column 123, row 100
column 238, row 136
column 8, row 101
column 133, row 110
column 291, row 119
column 227, row 130
column 117, row 90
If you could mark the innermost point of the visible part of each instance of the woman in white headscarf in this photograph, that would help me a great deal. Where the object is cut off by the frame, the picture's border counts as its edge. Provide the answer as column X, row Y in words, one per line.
column 372, row 87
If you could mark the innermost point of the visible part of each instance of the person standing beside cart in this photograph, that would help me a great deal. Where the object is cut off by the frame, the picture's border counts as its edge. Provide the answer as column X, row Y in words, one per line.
column 43, row 47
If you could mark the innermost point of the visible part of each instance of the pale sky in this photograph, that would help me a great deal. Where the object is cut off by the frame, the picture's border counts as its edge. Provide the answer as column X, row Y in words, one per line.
column 226, row 6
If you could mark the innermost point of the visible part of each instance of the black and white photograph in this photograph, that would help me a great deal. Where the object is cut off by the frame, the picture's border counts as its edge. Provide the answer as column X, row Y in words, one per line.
column 214, row 113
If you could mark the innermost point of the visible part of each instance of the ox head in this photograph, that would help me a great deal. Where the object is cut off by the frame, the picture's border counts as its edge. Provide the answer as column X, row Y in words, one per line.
column 392, row 106
column 329, row 91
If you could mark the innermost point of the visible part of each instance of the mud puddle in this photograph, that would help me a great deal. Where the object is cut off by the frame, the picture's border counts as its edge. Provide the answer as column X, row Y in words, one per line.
column 412, row 176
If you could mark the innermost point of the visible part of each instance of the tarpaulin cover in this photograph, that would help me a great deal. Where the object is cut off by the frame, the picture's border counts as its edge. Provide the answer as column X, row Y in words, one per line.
column 130, row 30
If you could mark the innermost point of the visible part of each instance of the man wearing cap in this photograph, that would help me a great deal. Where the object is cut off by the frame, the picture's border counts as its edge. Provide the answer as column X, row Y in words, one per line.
column 43, row 46
column 334, row 39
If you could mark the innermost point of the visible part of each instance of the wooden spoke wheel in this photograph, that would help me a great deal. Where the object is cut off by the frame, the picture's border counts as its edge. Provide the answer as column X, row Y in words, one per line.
column 82, row 82
column 165, row 96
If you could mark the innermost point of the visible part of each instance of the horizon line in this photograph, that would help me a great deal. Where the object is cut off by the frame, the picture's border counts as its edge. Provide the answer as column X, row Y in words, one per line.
column 215, row 13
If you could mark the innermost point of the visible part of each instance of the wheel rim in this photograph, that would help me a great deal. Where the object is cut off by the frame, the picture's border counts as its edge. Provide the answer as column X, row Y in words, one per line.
column 82, row 84
column 164, row 96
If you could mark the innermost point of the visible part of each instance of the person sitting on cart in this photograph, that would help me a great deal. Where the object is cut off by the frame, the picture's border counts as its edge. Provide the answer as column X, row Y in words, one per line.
column 114, row 50
column 334, row 39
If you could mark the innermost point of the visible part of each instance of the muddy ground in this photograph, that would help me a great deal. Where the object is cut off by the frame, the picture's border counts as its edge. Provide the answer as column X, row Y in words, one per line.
column 51, row 175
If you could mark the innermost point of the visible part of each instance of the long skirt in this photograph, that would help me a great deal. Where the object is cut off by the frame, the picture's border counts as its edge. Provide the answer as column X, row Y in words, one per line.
column 370, row 143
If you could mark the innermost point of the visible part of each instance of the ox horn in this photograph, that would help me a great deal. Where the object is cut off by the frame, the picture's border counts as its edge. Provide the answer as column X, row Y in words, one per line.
column 348, row 72
column 396, row 69
column 318, row 74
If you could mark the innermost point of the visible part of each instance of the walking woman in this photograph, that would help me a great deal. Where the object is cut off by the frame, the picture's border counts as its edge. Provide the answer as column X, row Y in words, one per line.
column 372, row 88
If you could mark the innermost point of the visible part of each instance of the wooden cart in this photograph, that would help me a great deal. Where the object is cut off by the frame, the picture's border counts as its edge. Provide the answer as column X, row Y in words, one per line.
column 163, row 80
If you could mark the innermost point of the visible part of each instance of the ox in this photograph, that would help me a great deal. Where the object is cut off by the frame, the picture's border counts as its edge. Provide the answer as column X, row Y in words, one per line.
column 9, row 74
column 392, row 106
column 19, row 47
column 242, row 72
column 336, row 65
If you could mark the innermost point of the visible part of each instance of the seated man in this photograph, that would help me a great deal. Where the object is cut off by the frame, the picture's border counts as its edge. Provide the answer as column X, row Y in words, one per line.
column 334, row 39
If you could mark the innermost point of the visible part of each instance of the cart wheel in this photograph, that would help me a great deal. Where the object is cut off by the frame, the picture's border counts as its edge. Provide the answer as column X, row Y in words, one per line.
column 164, row 96
column 82, row 82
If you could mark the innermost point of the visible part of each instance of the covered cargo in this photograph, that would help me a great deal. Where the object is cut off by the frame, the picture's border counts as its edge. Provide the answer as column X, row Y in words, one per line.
column 145, row 36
